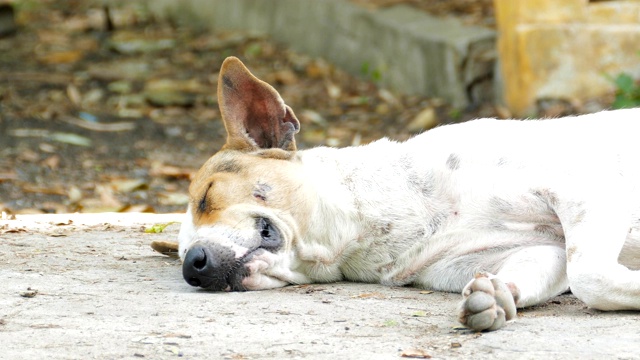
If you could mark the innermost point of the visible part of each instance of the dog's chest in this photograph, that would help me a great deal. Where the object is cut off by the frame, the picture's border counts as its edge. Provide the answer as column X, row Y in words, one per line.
column 406, row 206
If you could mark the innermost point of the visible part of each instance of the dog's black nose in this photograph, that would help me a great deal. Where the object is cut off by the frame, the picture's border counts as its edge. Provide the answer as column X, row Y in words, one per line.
column 194, row 267
column 207, row 269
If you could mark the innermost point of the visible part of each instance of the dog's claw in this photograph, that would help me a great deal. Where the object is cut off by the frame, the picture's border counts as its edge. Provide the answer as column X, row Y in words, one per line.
column 487, row 305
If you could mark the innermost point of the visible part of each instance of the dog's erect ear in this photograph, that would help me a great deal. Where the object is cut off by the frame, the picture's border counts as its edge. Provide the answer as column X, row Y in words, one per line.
column 253, row 112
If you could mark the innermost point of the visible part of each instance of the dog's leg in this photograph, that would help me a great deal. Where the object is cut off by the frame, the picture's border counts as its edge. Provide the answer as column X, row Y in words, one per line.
column 528, row 277
column 596, row 231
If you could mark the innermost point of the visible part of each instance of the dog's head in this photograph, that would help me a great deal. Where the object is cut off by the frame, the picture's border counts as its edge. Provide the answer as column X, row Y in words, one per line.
column 243, row 216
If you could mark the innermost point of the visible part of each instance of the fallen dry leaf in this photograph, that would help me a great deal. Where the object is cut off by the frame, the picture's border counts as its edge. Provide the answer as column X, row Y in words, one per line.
column 48, row 148
column 12, row 230
column 92, row 20
column 159, row 169
column 8, row 175
column 96, row 126
column 29, row 293
column 176, row 335
column 425, row 120
column 389, row 98
column 6, row 213
column 173, row 198
column 369, row 295
column 63, row 223
column 51, row 190
column 51, row 162
column 334, row 91
column 45, row 326
column 29, row 211
column 285, row 77
column 107, row 197
column 128, row 185
column 70, row 138
column 74, row 94
column 140, row 208
column 135, row 43
column 93, row 205
column 75, row 194
column 318, row 69
column 29, row 155
column 415, row 354
column 61, row 57
column 57, row 233
column 123, row 69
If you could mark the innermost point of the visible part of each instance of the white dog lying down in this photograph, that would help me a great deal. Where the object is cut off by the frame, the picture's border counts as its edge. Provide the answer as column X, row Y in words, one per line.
column 510, row 213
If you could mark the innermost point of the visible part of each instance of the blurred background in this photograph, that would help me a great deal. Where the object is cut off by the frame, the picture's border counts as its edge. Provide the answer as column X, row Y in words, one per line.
column 111, row 105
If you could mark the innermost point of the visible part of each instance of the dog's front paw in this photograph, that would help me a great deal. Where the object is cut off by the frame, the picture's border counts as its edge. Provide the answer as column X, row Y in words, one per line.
column 487, row 305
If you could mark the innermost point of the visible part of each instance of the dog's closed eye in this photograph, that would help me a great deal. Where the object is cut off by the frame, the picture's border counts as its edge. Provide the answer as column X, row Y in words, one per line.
column 202, row 205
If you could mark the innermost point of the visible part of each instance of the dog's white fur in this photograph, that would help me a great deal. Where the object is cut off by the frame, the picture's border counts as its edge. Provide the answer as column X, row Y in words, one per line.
column 541, row 206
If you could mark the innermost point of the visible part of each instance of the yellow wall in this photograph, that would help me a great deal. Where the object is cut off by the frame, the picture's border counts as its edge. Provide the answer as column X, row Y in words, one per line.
column 563, row 48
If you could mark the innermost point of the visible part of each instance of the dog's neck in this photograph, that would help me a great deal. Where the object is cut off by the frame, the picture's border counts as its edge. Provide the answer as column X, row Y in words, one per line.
column 369, row 193
column 335, row 215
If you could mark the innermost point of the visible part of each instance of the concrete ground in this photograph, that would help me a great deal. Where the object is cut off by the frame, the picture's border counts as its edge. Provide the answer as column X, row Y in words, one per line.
column 89, row 286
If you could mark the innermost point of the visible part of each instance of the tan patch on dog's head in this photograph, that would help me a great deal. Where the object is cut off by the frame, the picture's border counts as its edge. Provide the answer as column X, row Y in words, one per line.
column 220, row 182
column 231, row 177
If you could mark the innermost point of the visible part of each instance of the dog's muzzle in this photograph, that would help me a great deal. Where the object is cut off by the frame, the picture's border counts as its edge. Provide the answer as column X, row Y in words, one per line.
column 213, row 267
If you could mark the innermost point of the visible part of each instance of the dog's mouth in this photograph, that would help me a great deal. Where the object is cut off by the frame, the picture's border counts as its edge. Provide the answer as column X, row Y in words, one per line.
column 210, row 270
column 215, row 267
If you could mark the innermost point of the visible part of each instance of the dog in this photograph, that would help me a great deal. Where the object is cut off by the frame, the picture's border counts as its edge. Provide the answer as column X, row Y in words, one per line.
column 509, row 213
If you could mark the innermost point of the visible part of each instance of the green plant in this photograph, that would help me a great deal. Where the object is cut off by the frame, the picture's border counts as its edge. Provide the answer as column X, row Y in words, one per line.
column 374, row 75
column 253, row 49
column 390, row 323
column 627, row 91
column 455, row 113
column 157, row 228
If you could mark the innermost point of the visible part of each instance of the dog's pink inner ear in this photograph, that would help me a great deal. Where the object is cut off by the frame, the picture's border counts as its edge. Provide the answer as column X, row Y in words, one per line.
column 253, row 112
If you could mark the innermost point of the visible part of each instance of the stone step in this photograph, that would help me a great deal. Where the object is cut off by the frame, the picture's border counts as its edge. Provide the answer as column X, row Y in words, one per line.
column 400, row 47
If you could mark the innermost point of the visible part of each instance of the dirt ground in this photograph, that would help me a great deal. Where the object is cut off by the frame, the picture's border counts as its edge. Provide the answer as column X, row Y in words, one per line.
column 89, row 286
column 111, row 109
column 114, row 110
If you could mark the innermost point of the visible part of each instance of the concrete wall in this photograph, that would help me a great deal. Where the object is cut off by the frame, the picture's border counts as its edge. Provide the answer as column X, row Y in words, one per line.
column 412, row 51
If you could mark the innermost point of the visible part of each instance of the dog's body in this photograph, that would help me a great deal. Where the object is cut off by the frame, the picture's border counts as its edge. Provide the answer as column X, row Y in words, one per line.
column 532, row 206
